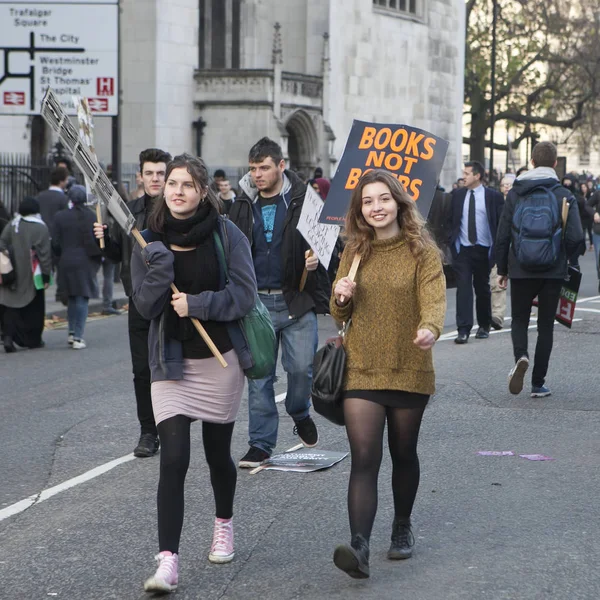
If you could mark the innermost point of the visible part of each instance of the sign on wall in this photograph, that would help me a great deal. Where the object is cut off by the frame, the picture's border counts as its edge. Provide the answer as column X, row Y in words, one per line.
column 69, row 46
column 414, row 156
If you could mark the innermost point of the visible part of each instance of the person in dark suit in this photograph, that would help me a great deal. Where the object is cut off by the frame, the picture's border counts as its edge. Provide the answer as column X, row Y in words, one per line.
column 474, row 214
column 54, row 198
column 52, row 201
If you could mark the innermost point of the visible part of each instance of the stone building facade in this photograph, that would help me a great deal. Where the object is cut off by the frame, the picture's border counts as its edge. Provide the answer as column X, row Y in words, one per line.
column 216, row 75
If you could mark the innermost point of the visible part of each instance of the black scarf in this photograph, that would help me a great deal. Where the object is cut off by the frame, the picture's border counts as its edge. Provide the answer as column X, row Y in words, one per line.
column 195, row 231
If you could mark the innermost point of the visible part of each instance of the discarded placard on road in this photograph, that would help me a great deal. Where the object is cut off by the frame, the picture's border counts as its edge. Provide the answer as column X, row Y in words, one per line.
column 302, row 461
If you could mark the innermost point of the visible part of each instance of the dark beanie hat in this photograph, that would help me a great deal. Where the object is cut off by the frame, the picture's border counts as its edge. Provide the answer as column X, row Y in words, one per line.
column 29, row 206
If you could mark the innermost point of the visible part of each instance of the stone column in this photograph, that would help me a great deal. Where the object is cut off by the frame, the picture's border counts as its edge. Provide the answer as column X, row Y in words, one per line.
column 277, row 62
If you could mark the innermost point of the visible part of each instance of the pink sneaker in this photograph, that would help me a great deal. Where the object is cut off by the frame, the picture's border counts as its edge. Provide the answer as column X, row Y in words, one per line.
column 221, row 550
column 165, row 578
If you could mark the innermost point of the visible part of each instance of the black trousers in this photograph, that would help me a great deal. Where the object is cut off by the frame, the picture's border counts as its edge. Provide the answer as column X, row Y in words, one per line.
column 522, row 294
column 472, row 269
column 138, row 344
column 25, row 325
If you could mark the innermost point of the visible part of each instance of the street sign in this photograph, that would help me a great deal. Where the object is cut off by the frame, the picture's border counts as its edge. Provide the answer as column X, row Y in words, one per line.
column 71, row 46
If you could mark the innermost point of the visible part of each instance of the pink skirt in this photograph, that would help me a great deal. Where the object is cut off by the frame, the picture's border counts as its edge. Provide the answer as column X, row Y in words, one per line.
column 207, row 392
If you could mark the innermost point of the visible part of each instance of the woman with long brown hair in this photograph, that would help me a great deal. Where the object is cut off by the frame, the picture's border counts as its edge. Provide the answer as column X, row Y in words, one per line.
column 396, row 305
column 189, row 244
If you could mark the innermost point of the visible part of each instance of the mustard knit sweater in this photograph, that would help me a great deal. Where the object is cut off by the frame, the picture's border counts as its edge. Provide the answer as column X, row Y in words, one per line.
column 394, row 297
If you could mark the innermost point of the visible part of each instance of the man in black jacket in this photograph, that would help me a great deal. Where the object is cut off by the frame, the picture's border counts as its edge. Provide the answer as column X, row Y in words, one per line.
column 527, row 284
column 474, row 214
column 267, row 211
column 592, row 206
column 54, row 198
column 153, row 165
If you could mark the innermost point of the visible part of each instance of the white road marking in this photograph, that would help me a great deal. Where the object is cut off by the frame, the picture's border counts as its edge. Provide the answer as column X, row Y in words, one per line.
column 280, row 398
column 594, row 310
column 590, row 299
column 18, row 507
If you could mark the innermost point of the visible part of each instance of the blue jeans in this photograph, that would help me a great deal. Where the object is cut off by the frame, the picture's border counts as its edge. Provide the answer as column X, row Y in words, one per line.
column 298, row 339
column 77, row 312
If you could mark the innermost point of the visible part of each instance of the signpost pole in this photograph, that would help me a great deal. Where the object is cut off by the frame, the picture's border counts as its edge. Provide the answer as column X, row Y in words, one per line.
column 116, row 119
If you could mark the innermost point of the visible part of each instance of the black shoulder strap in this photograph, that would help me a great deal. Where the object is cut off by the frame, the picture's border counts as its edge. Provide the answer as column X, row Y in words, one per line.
column 221, row 254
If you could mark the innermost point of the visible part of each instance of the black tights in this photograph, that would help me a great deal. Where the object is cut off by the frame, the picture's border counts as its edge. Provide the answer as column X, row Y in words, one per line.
column 365, row 422
column 174, row 434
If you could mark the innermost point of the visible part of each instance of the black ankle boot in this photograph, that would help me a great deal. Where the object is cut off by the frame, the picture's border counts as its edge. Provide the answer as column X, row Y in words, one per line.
column 402, row 540
column 9, row 345
column 353, row 559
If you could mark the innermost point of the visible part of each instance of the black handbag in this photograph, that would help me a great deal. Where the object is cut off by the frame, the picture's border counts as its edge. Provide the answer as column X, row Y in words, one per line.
column 329, row 365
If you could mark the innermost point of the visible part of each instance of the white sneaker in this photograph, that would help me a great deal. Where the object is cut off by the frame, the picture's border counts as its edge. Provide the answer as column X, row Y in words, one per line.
column 517, row 375
column 166, row 577
column 70, row 339
column 78, row 345
column 221, row 550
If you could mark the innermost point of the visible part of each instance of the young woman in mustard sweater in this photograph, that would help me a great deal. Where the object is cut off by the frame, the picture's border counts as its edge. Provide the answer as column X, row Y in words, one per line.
column 397, row 305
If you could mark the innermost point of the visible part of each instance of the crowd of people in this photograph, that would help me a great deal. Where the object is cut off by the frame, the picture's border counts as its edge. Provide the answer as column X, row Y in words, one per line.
column 223, row 247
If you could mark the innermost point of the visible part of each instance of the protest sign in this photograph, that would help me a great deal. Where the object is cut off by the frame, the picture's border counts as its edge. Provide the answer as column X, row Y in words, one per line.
column 86, row 131
column 565, row 311
column 321, row 238
column 414, row 156
column 55, row 116
column 304, row 461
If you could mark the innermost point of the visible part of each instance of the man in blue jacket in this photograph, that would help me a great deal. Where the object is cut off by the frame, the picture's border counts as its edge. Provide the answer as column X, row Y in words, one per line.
column 267, row 211
column 528, row 281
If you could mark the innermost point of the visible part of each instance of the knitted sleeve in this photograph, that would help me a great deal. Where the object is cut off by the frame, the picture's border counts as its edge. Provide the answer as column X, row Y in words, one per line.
column 341, row 313
column 432, row 292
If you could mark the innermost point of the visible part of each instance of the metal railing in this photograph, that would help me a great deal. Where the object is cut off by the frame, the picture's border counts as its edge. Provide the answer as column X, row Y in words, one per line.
column 19, row 178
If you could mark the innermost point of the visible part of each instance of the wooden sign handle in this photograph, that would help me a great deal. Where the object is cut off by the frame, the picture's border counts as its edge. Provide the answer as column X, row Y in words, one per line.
column 352, row 272
column 305, row 273
column 142, row 242
column 99, row 220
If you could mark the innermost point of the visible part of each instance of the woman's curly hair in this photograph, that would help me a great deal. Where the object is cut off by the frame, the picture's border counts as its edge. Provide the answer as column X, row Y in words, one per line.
column 359, row 234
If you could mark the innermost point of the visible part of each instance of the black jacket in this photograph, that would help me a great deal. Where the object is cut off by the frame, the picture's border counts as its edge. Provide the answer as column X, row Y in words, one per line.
column 494, row 201
column 118, row 245
column 573, row 237
column 317, row 289
column 592, row 205
column 51, row 201
column 80, row 257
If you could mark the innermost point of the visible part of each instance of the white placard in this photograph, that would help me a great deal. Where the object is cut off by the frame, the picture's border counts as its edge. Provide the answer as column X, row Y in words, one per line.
column 87, row 162
column 321, row 238
column 86, row 133
column 70, row 47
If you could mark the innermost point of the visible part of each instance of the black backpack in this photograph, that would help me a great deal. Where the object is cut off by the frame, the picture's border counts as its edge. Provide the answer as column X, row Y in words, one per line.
column 537, row 229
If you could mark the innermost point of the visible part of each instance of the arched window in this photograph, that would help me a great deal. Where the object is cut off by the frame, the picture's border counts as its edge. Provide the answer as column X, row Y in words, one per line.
column 219, row 34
